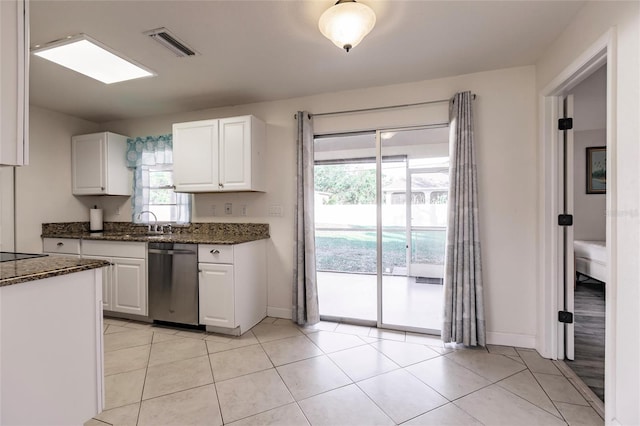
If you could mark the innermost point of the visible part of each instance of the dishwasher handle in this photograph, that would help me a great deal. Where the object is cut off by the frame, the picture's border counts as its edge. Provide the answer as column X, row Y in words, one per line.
column 171, row 252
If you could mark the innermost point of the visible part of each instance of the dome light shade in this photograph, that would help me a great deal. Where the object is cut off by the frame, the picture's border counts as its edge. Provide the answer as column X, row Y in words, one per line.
column 346, row 23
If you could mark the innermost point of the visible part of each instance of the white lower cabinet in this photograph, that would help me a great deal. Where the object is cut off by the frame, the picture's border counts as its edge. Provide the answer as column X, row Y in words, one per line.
column 216, row 295
column 232, row 286
column 124, row 283
column 129, row 289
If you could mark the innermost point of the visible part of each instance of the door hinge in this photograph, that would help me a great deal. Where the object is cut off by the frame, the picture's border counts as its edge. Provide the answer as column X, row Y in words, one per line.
column 565, row 124
column 565, row 219
column 566, row 317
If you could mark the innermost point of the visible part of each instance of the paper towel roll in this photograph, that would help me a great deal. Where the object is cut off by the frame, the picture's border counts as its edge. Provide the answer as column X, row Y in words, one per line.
column 95, row 220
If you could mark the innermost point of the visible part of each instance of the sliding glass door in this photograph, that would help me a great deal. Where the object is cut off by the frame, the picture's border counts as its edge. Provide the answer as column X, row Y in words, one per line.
column 414, row 184
column 380, row 213
column 345, row 222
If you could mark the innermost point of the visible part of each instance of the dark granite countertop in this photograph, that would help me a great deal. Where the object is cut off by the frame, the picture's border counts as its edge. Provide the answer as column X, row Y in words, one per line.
column 20, row 271
column 195, row 233
column 166, row 238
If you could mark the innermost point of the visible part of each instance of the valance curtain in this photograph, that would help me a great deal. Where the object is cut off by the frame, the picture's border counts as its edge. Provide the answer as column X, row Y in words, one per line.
column 464, row 306
column 143, row 153
column 305, row 290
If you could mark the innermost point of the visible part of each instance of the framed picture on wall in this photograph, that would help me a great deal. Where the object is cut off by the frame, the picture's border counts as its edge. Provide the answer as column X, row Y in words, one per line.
column 597, row 170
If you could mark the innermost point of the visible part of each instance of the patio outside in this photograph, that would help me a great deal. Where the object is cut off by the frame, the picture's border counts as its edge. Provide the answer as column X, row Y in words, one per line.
column 346, row 260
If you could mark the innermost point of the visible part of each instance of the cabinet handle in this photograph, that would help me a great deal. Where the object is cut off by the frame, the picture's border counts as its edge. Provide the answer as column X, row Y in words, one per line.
column 102, row 188
column 215, row 251
column 220, row 185
column 60, row 244
column 199, row 271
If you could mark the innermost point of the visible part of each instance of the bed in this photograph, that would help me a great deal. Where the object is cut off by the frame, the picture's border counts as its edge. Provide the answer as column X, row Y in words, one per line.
column 591, row 258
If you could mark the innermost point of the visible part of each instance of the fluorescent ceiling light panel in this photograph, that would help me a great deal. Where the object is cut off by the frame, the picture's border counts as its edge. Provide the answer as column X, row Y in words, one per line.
column 89, row 57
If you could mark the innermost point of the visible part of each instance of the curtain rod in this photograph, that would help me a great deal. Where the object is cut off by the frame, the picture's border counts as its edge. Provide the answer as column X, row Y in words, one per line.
column 351, row 111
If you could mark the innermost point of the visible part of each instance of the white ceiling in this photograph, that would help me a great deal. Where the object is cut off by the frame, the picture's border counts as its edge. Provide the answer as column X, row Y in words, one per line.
column 254, row 51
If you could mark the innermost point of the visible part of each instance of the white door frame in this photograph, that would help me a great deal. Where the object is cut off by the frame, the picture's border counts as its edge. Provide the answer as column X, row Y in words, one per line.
column 566, row 332
column 550, row 294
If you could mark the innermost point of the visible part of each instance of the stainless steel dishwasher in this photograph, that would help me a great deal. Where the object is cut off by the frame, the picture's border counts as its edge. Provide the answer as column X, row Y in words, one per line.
column 173, row 282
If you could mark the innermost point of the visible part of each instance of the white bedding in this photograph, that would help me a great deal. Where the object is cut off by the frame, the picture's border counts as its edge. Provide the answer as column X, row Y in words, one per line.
column 594, row 250
column 591, row 258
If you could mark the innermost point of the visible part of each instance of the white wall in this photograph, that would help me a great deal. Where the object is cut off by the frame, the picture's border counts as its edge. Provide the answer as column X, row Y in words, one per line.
column 6, row 208
column 622, row 382
column 43, row 188
column 589, row 124
column 590, row 102
column 505, row 132
column 589, row 222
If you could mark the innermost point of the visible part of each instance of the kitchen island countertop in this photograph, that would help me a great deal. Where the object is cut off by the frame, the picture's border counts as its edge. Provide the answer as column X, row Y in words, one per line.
column 25, row 270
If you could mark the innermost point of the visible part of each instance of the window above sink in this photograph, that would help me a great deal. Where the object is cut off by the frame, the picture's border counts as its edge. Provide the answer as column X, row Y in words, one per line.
column 151, row 158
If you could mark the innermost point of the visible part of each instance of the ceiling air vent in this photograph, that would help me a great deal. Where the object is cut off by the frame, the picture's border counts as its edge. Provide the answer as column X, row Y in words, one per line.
column 171, row 42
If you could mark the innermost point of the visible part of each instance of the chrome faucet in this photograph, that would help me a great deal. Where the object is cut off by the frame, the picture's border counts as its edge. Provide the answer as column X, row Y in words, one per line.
column 155, row 218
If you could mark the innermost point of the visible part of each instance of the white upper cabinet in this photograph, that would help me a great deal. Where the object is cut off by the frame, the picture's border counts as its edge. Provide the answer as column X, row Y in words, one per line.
column 219, row 155
column 14, row 82
column 195, row 156
column 98, row 165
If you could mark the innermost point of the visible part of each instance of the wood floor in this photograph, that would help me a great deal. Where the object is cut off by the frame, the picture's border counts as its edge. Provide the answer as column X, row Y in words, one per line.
column 589, row 317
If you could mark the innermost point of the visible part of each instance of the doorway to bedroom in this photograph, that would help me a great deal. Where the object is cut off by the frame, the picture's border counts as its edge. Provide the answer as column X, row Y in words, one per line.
column 587, row 187
column 380, row 223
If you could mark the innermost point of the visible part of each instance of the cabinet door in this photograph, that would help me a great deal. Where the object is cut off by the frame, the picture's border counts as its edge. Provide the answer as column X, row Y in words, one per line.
column 129, row 286
column 216, row 290
column 14, row 83
column 88, row 161
column 235, row 153
column 195, row 156
column 107, row 290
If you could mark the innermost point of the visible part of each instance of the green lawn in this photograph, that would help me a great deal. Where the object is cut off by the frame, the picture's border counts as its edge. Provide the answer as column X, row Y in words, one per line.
column 355, row 251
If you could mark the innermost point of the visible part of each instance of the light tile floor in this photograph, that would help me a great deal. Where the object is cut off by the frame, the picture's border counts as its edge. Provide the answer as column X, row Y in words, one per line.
column 329, row 374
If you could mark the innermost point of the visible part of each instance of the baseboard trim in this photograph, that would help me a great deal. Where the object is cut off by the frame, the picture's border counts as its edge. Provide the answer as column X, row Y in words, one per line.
column 279, row 312
column 511, row 339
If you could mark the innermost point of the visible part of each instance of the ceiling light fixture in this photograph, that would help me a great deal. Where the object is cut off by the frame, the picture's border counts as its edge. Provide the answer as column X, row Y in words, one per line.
column 346, row 23
column 87, row 56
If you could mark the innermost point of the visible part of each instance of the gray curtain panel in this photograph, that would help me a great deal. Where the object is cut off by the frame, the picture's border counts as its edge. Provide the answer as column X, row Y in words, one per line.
column 464, row 306
column 305, row 290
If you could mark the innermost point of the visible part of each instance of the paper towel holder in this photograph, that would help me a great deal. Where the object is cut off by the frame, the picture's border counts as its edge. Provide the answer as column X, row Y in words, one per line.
column 95, row 219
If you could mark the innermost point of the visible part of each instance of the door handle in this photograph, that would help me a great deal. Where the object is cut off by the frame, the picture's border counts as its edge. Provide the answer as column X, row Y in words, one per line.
column 170, row 252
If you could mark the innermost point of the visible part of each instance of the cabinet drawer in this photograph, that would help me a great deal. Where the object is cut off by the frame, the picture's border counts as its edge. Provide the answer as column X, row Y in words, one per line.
column 114, row 249
column 215, row 253
column 61, row 245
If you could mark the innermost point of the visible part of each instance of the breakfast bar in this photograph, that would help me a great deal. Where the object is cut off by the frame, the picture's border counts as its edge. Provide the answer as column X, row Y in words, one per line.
column 51, row 365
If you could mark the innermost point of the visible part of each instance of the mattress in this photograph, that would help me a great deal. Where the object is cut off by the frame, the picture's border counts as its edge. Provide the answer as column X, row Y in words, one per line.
column 593, row 250
column 591, row 258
